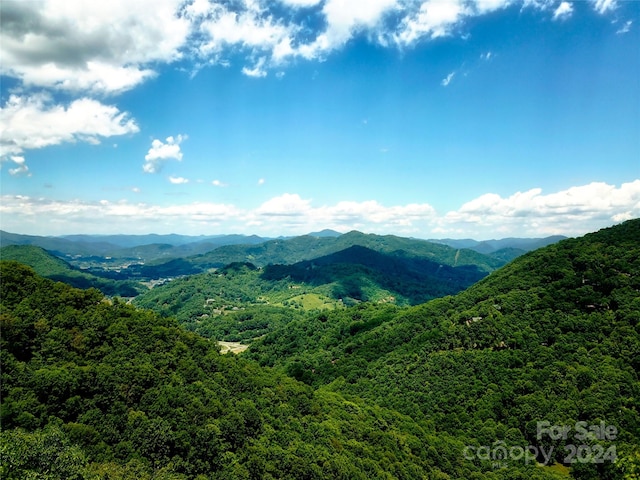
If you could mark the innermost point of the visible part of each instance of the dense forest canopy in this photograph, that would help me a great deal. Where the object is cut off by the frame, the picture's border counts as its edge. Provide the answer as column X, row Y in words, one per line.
column 471, row 386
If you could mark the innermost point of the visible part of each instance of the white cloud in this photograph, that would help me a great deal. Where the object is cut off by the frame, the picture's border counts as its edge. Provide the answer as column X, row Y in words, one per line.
column 603, row 6
column 23, row 213
column 564, row 10
column 434, row 19
column 488, row 6
column 20, row 165
column 257, row 71
column 218, row 183
column 447, row 80
column 300, row 3
column 625, row 28
column 160, row 152
column 74, row 45
column 32, row 122
column 261, row 181
column 178, row 180
column 110, row 47
column 573, row 211
column 248, row 28
column 297, row 215
column 286, row 205
column 344, row 18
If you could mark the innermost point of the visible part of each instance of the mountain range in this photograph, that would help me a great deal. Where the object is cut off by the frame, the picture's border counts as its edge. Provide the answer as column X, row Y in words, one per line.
column 471, row 385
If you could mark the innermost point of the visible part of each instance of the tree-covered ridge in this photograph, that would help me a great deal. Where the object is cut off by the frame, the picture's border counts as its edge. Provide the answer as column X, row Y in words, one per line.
column 233, row 303
column 94, row 389
column 410, row 280
column 55, row 268
column 306, row 247
column 241, row 301
column 554, row 336
column 98, row 389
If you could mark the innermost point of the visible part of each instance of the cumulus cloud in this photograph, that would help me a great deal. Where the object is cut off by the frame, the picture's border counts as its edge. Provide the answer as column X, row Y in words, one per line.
column 110, row 47
column 160, row 152
column 20, row 165
column 574, row 211
column 564, row 10
column 218, row 183
column 32, row 122
column 292, row 213
column 286, row 205
column 603, row 6
column 343, row 19
column 434, row 19
column 532, row 213
column 24, row 213
column 248, row 28
column 104, row 47
column 300, row 3
column 178, row 180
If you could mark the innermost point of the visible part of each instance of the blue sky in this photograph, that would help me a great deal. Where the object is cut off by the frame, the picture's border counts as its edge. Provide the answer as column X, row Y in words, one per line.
column 432, row 119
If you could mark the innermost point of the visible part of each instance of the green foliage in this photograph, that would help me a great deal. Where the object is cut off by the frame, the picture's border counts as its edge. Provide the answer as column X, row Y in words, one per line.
column 233, row 304
column 240, row 302
column 106, row 390
column 50, row 266
column 364, row 274
column 553, row 336
column 306, row 247
column 43, row 455
column 99, row 389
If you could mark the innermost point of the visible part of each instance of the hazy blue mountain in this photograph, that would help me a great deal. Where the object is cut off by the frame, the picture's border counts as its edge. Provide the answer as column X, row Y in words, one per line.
column 325, row 233
column 134, row 247
column 490, row 246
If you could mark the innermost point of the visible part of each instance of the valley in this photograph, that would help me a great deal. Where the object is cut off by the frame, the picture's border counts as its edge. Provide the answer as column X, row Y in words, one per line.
column 357, row 363
column 246, row 286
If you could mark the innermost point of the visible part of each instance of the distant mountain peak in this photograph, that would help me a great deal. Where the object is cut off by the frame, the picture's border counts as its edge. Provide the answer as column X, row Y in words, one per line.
column 327, row 232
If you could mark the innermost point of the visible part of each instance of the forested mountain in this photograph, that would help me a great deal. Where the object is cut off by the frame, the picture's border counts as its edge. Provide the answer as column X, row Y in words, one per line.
column 93, row 389
column 50, row 266
column 126, row 257
column 234, row 303
column 240, row 302
column 413, row 279
column 307, row 247
column 479, row 385
column 554, row 336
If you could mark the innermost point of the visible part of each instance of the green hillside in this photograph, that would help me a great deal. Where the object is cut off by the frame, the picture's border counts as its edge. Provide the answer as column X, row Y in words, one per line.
column 553, row 336
column 531, row 373
column 233, row 304
column 93, row 389
column 409, row 279
column 307, row 247
column 50, row 266
column 240, row 302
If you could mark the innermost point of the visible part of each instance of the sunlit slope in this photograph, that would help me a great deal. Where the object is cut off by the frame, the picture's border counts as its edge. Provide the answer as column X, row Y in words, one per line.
column 554, row 336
